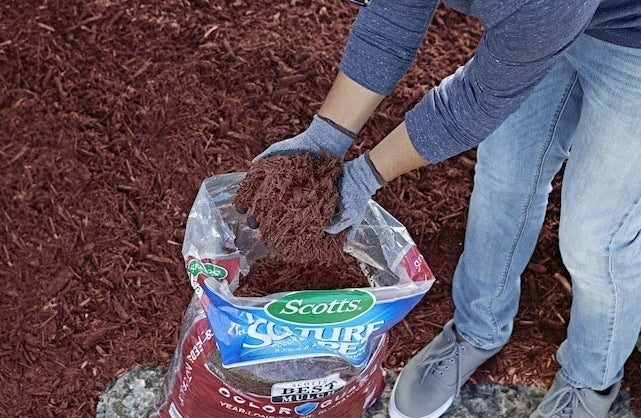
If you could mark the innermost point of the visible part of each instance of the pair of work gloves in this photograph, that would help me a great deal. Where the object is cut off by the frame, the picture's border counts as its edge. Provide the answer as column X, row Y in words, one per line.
column 358, row 181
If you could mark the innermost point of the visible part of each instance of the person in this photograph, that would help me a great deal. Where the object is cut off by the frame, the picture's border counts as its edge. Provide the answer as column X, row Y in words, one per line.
column 551, row 82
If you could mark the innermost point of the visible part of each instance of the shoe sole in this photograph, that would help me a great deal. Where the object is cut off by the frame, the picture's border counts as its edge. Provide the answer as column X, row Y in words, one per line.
column 395, row 413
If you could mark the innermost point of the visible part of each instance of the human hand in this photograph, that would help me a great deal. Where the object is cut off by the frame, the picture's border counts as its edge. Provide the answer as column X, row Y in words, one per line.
column 357, row 184
column 321, row 136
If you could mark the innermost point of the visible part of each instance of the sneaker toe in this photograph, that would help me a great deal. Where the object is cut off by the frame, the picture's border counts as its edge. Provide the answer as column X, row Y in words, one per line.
column 412, row 398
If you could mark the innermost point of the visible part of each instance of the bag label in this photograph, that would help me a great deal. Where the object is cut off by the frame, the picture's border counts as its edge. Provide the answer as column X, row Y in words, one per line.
column 260, row 337
column 306, row 390
column 311, row 307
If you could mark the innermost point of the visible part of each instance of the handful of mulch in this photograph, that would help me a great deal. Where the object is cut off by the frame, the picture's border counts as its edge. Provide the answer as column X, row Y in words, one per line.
column 293, row 198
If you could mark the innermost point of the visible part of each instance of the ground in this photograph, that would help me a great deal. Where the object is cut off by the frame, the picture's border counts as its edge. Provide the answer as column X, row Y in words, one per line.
column 111, row 115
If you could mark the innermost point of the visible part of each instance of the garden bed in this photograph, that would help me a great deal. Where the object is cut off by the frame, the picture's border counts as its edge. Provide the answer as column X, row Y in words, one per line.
column 112, row 114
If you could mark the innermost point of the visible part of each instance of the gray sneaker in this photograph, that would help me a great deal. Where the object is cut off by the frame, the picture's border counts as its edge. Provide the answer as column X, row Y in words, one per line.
column 428, row 384
column 566, row 401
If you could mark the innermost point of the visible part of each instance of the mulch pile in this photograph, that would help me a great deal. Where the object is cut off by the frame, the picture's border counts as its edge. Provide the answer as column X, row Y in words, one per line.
column 111, row 115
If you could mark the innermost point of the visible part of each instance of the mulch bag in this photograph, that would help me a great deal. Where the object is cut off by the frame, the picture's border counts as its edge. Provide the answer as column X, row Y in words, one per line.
column 311, row 353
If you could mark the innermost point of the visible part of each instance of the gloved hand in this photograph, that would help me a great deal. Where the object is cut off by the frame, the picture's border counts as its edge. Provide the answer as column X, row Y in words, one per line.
column 357, row 184
column 320, row 135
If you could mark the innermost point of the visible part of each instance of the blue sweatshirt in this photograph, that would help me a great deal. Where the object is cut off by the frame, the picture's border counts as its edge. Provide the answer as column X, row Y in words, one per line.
column 520, row 44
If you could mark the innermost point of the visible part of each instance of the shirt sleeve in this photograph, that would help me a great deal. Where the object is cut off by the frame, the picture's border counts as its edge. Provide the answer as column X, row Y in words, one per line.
column 513, row 56
column 384, row 40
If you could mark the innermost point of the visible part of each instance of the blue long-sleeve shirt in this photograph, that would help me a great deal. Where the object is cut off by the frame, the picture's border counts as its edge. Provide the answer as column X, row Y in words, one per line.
column 520, row 44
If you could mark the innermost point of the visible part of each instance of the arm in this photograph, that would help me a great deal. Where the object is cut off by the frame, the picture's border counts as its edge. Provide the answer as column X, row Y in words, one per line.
column 395, row 155
column 519, row 47
column 514, row 54
column 349, row 104
column 382, row 44
column 345, row 110
column 384, row 41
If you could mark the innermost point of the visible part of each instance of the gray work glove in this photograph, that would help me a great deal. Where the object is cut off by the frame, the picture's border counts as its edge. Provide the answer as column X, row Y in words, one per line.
column 321, row 134
column 357, row 184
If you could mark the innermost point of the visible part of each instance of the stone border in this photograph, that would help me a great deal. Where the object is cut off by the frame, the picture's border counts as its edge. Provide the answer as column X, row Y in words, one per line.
column 131, row 396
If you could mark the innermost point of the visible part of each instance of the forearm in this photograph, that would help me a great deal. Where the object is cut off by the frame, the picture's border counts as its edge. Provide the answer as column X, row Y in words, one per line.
column 384, row 41
column 514, row 54
column 349, row 104
column 395, row 154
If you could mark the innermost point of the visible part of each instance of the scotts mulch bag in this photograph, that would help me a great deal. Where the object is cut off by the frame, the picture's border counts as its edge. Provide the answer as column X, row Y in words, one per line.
column 309, row 353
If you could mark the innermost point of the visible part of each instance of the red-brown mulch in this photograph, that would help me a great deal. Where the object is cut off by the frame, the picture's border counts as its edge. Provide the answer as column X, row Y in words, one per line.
column 276, row 193
column 112, row 113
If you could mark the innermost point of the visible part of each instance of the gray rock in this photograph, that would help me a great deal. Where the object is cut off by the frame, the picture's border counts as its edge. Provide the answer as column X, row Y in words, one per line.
column 132, row 395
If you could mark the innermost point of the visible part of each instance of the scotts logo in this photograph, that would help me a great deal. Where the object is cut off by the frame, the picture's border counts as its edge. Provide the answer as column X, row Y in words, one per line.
column 321, row 307
column 195, row 267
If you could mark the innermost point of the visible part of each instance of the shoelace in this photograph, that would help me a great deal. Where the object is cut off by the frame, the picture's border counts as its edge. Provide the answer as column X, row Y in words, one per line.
column 437, row 362
column 564, row 401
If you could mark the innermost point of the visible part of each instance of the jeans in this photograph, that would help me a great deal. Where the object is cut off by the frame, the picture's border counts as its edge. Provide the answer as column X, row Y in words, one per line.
column 586, row 113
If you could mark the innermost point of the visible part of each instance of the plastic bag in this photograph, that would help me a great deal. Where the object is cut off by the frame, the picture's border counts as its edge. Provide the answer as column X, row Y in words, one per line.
column 305, row 353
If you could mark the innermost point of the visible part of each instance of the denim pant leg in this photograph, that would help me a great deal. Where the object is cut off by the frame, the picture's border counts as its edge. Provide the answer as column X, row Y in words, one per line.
column 514, row 171
column 600, row 226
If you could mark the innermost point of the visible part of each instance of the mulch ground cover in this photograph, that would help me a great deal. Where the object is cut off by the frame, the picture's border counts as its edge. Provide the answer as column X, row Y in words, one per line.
column 113, row 112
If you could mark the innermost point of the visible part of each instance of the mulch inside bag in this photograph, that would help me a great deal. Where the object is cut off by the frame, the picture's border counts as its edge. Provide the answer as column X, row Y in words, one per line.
column 270, row 276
